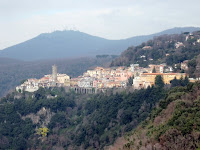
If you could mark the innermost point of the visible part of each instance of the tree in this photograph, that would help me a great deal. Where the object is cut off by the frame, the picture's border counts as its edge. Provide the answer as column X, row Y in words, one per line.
column 186, row 81
column 130, row 80
column 180, row 82
column 20, row 91
column 159, row 81
column 174, row 82
column 154, row 70
column 22, row 81
column 43, row 131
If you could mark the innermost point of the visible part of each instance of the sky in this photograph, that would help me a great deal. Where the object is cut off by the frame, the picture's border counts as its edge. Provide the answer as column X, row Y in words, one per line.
column 21, row 20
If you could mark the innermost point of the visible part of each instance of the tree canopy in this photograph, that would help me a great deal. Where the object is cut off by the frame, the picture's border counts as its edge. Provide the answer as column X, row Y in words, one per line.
column 159, row 81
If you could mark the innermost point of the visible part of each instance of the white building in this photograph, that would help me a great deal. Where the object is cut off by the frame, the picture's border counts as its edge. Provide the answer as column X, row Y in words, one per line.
column 86, row 82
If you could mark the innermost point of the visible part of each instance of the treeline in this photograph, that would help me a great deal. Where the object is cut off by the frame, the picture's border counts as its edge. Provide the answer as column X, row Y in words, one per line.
column 107, row 56
column 181, row 82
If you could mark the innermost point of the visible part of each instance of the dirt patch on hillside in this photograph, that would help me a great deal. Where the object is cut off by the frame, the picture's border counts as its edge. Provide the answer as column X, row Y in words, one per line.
column 165, row 114
column 119, row 143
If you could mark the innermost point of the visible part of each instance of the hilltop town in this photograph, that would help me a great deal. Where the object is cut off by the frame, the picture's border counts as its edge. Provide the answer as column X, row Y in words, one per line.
column 102, row 78
column 125, row 97
column 139, row 75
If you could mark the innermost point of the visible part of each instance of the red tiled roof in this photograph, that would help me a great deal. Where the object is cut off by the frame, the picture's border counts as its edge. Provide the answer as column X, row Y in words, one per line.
column 162, row 73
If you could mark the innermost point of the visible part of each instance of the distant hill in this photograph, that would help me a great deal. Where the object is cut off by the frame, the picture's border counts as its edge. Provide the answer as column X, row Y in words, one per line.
column 67, row 44
column 169, row 49
column 4, row 60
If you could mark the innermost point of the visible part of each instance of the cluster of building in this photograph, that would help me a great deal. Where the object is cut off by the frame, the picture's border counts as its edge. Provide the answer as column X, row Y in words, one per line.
column 103, row 78
column 144, row 77
column 148, row 79
column 51, row 80
column 100, row 78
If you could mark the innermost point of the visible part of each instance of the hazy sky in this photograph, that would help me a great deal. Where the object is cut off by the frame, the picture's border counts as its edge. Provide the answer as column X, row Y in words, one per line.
column 21, row 20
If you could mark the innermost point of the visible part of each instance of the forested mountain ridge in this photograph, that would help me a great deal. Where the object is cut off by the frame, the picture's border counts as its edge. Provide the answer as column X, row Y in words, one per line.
column 169, row 49
column 69, row 120
column 174, row 124
column 68, row 44
column 58, row 118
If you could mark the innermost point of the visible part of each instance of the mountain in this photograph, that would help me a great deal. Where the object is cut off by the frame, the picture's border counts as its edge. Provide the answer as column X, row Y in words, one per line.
column 66, row 44
column 6, row 61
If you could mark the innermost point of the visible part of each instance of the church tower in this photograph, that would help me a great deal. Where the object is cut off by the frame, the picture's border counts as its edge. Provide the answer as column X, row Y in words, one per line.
column 54, row 74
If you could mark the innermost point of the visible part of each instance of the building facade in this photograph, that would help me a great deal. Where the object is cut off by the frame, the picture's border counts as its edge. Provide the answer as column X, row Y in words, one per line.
column 148, row 79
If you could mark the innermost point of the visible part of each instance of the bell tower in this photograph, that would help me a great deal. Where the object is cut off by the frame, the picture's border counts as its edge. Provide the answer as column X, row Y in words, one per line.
column 54, row 74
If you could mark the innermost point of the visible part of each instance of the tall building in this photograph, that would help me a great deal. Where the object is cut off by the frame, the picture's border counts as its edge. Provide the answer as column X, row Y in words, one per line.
column 54, row 74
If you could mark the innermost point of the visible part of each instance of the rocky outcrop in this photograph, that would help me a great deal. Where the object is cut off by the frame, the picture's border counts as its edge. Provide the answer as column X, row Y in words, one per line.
column 42, row 117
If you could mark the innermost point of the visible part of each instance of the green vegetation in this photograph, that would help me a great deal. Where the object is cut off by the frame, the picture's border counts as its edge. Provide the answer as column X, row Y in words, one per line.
column 89, row 121
column 167, row 118
column 15, row 131
column 163, row 50
column 93, row 121
column 154, row 70
column 174, row 124
column 130, row 81
column 159, row 81
column 181, row 82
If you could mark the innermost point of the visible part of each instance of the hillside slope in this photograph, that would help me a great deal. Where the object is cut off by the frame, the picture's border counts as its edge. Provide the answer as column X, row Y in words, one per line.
column 74, row 121
column 174, row 124
column 169, row 49
column 67, row 44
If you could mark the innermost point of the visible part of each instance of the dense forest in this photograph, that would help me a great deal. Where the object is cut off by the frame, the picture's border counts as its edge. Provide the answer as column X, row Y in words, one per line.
column 58, row 118
column 54, row 118
column 169, row 49
column 12, row 71
column 173, row 124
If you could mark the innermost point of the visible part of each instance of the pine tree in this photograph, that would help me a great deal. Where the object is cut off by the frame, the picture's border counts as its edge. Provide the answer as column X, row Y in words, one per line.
column 174, row 82
column 186, row 81
column 130, row 81
column 154, row 70
column 159, row 81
